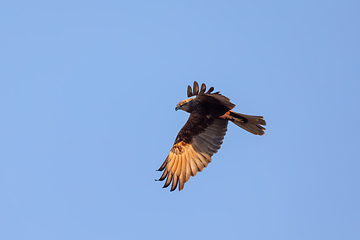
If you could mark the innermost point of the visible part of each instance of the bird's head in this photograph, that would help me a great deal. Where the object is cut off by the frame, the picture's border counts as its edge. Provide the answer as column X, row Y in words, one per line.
column 184, row 105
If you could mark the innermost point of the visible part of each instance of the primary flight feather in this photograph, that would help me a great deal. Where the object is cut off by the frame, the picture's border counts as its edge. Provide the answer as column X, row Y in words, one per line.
column 203, row 134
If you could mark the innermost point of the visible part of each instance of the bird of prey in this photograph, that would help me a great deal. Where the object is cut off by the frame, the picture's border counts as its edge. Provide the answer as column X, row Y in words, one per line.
column 203, row 134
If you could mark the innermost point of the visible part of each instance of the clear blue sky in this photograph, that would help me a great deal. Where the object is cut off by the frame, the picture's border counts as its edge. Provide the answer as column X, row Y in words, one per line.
column 87, row 97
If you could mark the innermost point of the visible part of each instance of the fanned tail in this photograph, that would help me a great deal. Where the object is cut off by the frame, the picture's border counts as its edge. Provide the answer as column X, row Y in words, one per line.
column 252, row 124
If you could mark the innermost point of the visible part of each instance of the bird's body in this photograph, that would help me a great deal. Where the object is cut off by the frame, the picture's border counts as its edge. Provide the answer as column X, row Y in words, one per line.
column 202, row 134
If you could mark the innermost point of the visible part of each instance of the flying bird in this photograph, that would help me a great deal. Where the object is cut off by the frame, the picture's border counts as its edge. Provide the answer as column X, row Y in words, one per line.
column 203, row 134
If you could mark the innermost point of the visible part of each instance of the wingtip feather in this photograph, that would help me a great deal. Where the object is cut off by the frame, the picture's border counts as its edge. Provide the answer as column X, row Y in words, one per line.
column 189, row 91
column 174, row 183
column 168, row 180
column 195, row 88
column 203, row 88
column 210, row 90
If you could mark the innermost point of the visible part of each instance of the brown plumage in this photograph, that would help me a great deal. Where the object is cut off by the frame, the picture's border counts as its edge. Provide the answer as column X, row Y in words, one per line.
column 203, row 134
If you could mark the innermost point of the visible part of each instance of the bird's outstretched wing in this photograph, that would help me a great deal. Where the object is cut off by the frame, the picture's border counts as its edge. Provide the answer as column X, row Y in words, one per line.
column 196, row 142
column 211, row 98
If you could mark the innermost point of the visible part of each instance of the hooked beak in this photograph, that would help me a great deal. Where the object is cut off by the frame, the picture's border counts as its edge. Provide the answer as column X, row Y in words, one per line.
column 176, row 108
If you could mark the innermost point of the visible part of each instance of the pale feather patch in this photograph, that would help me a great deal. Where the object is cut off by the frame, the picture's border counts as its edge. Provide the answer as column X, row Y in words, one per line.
column 182, row 177
column 201, row 159
column 187, row 159
column 194, row 168
column 171, row 163
column 175, row 166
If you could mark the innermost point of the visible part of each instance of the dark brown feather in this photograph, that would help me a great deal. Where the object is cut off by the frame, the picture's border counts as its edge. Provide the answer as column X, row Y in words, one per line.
column 194, row 125
column 210, row 90
column 195, row 88
column 189, row 91
column 252, row 124
column 217, row 99
column 203, row 88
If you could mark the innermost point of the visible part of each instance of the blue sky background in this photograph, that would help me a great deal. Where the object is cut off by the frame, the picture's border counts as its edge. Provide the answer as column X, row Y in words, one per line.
column 87, row 97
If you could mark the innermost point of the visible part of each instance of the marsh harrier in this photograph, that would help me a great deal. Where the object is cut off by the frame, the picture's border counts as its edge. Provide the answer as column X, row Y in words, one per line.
column 203, row 134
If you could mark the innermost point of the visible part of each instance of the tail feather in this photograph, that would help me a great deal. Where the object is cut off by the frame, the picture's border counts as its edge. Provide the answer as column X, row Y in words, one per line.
column 252, row 124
